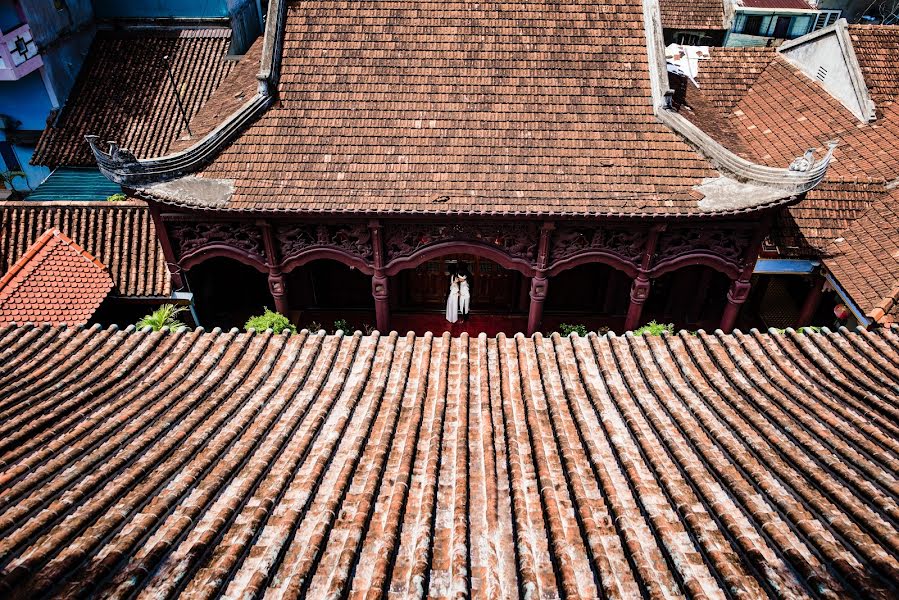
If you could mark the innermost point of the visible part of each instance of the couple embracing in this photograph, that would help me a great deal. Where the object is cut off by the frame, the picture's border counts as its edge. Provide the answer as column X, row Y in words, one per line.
column 459, row 293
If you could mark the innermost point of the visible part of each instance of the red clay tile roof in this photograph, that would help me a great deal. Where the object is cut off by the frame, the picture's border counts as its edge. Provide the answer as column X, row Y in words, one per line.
column 783, row 113
column 807, row 229
column 123, row 92
column 876, row 48
column 120, row 234
column 706, row 466
column 692, row 15
column 865, row 259
column 56, row 281
column 522, row 107
column 731, row 72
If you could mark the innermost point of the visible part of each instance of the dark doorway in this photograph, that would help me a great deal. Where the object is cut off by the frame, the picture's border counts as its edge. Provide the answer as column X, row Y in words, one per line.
column 324, row 291
column 690, row 298
column 593, row 289
column 494, row 288
column 228, row 292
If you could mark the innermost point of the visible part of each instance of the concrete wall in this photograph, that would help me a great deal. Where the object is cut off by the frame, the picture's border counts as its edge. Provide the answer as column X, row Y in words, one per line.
column 822, row 59
column 26, row 100
column 49, row 25
column 63, row 61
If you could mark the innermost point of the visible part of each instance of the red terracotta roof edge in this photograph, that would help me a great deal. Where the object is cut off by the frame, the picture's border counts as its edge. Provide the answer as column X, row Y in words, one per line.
column 27, row 257
column 37, row 246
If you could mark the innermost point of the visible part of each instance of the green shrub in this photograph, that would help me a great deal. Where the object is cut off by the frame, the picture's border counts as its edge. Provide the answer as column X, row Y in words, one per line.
column 164, row 316
column 567, row 329
column 270, row 320
column 653, row 328
column 341, row 325
column 117, row 197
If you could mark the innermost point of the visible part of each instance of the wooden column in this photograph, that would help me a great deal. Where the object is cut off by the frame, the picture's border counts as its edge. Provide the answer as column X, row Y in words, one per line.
column 277, row 284
column 641, row 286
column 639, row 293
column 739, row 288
column 380, row 285
column 812, row 301
column 171, row 261
column 539, row 283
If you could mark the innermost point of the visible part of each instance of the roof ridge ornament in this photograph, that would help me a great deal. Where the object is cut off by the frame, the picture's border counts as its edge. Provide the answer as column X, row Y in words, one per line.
column 121, row 166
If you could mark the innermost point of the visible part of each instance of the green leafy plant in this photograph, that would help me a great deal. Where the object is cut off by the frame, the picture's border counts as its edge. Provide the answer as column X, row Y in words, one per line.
column 117, row 197
column 342, row 325
column 270, row 320
column 568, row 329
column 653, row 328
column 164, row 316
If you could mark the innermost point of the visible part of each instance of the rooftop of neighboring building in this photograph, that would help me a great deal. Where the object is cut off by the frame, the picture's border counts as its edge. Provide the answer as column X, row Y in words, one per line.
column 692, row 15
column 224, row 464
column 121, row 235
column 864, row 259
column 55, row 281
column 124, row 93
column 779, row 110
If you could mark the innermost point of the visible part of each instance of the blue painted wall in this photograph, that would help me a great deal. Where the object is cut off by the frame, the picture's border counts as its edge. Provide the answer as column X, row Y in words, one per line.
column 107, row 9
column 34, row 175
column 26, row 100
column 9, row 16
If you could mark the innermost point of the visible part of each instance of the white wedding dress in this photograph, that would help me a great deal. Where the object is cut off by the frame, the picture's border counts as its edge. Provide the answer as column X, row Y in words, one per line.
column 452, row 302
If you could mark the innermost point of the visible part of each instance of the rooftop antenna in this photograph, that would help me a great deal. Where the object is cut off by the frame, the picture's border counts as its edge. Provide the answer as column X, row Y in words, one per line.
column 168, row 69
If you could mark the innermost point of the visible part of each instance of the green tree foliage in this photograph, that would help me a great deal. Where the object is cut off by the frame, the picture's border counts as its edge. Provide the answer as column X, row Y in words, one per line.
column 270, row 320
column 653, row 328
column 164, row 316
column 568, row 329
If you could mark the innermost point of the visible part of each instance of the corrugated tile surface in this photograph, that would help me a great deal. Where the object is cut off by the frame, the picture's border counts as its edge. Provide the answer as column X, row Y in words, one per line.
column 247, row 465
column 120, row 234
column 516, row 107
column 56, row 281
column 123, row 92
column 692, row 14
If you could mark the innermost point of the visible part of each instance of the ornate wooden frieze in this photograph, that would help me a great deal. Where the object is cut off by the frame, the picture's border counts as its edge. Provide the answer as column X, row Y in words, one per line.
column 626, row 243
column 729, row 244
column 518, row 240
column 188, row 237
column 354, row 239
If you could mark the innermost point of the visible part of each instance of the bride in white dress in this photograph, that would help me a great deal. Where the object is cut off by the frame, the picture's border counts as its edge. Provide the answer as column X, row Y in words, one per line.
column 452, row 301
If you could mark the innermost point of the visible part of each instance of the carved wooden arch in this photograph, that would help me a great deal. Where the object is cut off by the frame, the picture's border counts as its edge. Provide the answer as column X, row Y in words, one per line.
column 593, row 257
column 458, row 247
column 692, row 259
column 209, row 251
column 308, row 256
